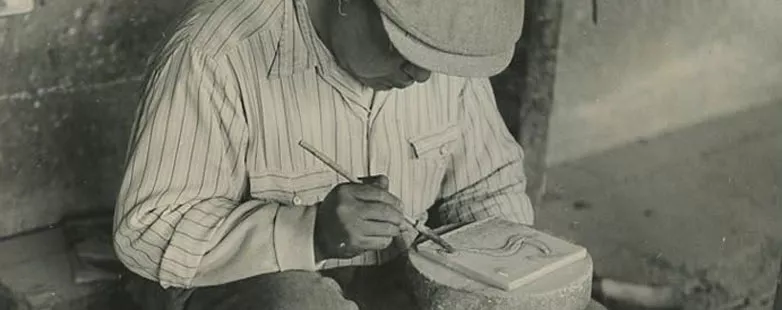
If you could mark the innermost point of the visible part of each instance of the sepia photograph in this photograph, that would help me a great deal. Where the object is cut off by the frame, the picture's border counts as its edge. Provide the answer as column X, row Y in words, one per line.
column 391, row 154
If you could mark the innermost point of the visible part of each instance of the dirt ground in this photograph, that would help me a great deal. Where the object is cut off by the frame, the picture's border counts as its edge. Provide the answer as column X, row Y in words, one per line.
column 700, row 205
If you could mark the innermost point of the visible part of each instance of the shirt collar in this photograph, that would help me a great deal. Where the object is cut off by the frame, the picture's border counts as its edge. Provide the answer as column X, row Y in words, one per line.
column 299, row 49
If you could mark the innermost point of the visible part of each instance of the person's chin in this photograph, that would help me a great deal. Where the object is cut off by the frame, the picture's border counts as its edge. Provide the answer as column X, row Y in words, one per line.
column 382, row 87
column 386, row 86
column 377, row 85
column 402, row 85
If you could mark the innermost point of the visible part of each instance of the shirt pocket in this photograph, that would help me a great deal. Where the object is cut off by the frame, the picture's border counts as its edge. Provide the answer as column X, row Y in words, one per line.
column 293, row 188
column 431, row 154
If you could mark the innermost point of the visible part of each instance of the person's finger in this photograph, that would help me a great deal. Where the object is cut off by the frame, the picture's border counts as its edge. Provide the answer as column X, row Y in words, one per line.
column 380, row 181
column 379, row 229
column 379, row 212
column 349, row 250
column 374, row 243
column 371, row 193
column 416, row 73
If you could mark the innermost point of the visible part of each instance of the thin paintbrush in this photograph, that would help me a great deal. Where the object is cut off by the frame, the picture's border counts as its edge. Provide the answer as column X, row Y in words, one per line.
column 423, row 230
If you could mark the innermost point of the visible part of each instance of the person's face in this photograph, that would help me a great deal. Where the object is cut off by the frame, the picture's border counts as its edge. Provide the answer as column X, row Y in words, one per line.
column 361, row 47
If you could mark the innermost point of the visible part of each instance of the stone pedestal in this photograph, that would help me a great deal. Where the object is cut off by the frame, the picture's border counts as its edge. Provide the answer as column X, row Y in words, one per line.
column 438, row 288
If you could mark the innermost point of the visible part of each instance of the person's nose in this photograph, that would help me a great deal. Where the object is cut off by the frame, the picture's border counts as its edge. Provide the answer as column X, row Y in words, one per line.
column 416, row 73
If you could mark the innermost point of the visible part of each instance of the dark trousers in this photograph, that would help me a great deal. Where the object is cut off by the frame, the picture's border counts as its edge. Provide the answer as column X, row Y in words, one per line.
column 348, row 288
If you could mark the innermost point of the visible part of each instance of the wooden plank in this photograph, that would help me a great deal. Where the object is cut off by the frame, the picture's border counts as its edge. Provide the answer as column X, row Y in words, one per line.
column 503, row 254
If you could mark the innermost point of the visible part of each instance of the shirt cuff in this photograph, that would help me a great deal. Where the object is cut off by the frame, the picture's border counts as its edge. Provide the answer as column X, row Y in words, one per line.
column 294, row 230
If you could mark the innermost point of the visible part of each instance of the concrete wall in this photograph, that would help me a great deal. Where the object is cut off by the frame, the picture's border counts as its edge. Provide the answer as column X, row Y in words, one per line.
column 649, row 67
column 69, row 74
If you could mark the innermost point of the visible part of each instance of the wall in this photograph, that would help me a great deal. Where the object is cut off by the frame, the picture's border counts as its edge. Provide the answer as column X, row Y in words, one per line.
column 69, row 75
column 649, row 67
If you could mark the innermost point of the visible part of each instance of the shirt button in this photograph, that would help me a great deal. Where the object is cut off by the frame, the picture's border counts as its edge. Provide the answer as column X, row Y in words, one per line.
column 296, row 200
column 443, row 150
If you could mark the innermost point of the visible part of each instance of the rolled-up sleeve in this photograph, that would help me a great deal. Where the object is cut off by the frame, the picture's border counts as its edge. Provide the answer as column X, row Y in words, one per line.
column 486, row 176
column 180, row 217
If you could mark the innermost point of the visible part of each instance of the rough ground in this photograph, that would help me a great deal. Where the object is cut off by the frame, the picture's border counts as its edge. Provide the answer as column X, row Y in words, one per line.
column 701, row 204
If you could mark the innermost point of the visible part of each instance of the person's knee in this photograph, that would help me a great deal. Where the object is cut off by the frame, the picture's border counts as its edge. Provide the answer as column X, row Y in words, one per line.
column 594, row 305
column 309, row 291
column 289, row 290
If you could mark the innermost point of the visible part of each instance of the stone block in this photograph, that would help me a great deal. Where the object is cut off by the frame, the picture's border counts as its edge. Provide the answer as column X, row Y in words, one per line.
column 35, row 270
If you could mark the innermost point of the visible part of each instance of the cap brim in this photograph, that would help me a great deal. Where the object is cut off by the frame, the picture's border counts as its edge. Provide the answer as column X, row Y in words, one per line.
column 433, row 59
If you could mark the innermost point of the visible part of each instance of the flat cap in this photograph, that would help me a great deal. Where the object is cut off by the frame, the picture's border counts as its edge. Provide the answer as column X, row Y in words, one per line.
column 470, row 38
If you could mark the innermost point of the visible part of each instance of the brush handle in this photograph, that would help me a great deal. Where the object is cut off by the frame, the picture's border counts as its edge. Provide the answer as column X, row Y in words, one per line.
column 329, row 162
column 345, row 174
column 341, row 171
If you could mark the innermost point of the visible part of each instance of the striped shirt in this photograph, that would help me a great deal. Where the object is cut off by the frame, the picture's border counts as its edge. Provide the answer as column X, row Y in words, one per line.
column 217, row 188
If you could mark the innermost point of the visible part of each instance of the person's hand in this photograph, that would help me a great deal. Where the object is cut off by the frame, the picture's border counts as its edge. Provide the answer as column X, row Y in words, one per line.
column 354, row 218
